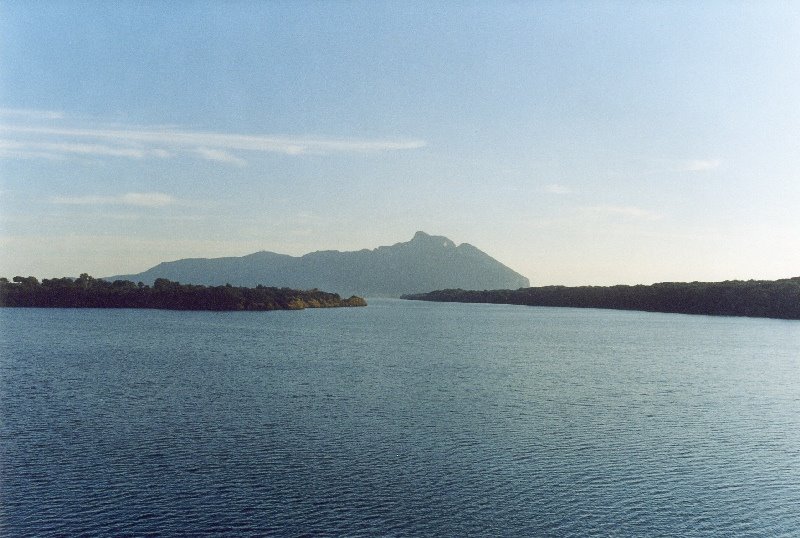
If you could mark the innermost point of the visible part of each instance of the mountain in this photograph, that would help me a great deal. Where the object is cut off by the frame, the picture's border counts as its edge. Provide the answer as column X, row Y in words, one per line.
column 426, row 263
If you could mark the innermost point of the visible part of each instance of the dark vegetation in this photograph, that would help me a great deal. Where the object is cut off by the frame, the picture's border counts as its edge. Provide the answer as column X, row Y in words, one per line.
column 754, row 298
column 88, row 292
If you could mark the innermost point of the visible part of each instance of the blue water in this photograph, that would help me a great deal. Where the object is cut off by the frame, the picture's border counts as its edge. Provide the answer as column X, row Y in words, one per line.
column 402, row 418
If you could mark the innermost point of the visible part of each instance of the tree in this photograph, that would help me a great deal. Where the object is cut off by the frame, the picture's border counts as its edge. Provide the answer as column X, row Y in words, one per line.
column 30, row 282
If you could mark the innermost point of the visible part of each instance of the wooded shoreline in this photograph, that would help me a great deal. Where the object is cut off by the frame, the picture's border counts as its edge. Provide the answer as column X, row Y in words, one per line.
column 89, row 292
column 752, row 298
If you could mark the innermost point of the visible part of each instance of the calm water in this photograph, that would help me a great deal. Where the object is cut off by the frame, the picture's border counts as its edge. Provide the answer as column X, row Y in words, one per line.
column 402, row 418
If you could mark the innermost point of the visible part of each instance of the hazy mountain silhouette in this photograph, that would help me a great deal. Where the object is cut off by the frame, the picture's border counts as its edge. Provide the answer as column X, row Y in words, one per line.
column 423, row 264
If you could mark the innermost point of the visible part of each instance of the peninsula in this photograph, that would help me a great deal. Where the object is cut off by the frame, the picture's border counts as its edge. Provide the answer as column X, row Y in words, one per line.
column 88, row 292
column 751, row 298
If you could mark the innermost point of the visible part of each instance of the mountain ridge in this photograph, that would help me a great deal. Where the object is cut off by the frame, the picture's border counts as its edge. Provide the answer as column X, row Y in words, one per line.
column 425, row 263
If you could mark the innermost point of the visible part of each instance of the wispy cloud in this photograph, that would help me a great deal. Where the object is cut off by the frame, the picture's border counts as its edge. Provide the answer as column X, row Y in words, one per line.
column 138, row 199
column 555, row 188
column 219, row 156
column 147, row 199
column 18, row 153
column 28, row 113
column 626, row 212
column 700, row 165
column 138, row 143
column 57, row 149
column 200, row 139
column 645, row 167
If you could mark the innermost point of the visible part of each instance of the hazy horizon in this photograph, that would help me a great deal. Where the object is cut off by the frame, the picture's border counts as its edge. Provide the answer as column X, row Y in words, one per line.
column 575, row 142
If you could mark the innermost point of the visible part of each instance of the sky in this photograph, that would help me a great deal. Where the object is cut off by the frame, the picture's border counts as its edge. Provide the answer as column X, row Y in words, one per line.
column 576, row 142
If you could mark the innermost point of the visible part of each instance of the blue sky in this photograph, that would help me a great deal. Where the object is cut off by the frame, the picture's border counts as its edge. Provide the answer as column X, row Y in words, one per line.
column 578, row 143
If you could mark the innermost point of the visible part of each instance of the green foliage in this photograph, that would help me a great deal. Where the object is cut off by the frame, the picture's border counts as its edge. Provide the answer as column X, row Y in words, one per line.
column 88, row 292
column 753, row 298
column 28, row 282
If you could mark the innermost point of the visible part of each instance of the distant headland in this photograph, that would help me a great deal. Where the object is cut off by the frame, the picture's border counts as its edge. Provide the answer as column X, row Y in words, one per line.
column 89, row 292
column 425, row 263
column 752, row 298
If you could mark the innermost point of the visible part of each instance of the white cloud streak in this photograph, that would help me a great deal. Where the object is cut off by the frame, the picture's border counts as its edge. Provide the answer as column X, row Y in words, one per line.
column 28, row 113
column 555, row 188
column 138, row 143
column 60, row 148
column 627, row 212
column 701, row 165
column 219, row 156
column 137, row 199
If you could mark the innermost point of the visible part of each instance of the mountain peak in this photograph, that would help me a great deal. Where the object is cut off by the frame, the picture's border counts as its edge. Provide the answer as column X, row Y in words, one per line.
column 427, row 262
column 421, row 238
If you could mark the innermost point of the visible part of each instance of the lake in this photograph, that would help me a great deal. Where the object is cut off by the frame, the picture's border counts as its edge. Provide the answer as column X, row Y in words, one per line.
column 402, row 418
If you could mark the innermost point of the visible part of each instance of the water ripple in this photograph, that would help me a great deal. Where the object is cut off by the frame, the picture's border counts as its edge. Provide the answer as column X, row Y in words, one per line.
column 398, row 420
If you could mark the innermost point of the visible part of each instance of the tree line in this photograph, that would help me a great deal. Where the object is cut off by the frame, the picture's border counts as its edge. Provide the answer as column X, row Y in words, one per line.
column 88, row 292
column 753, row 298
